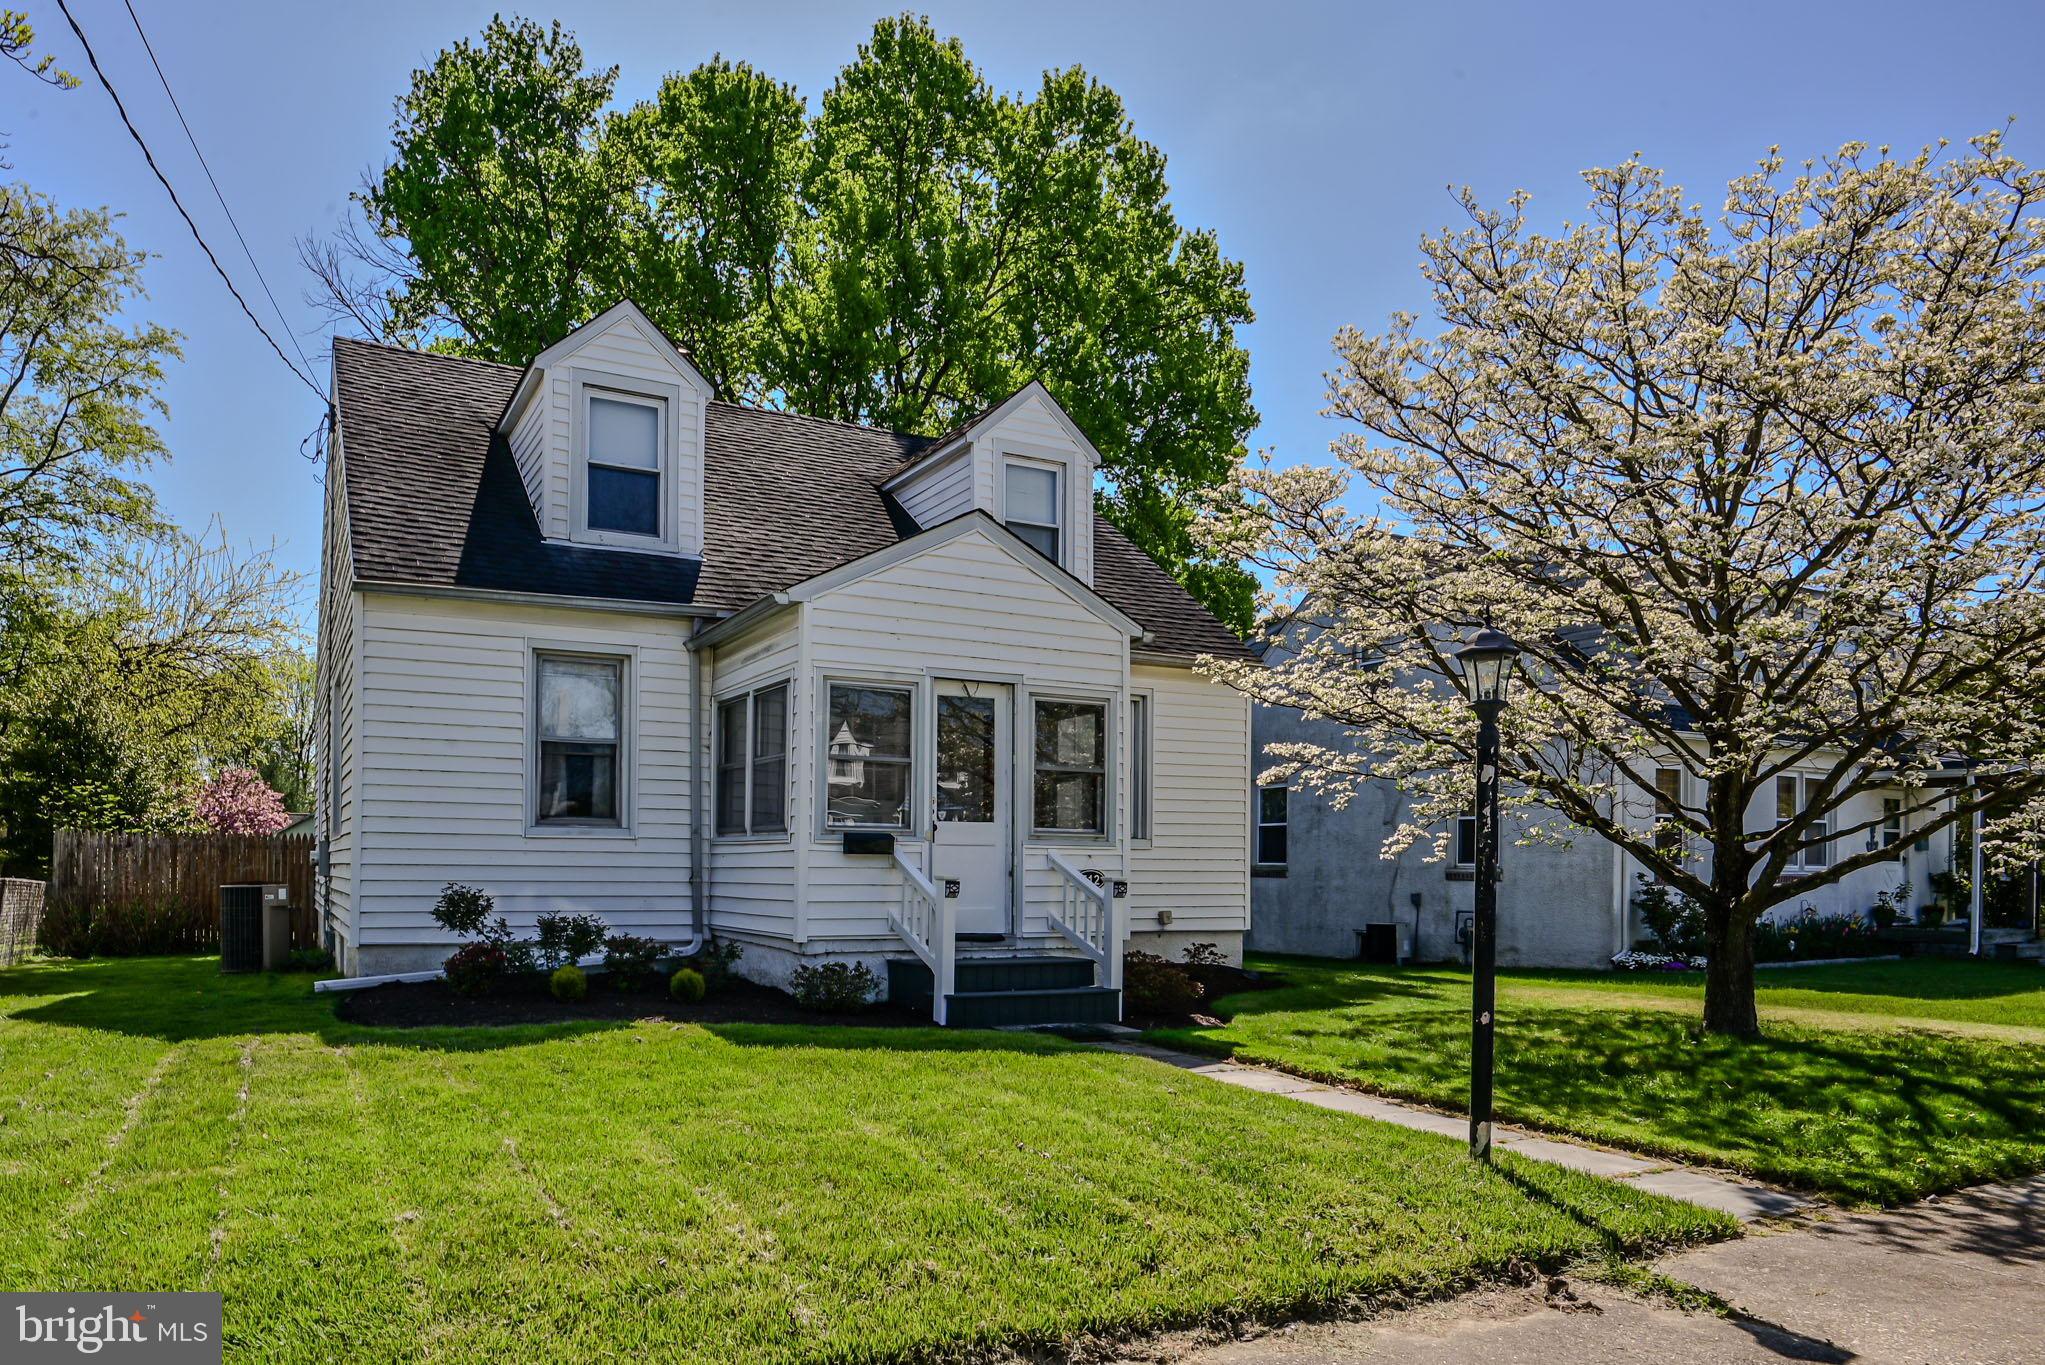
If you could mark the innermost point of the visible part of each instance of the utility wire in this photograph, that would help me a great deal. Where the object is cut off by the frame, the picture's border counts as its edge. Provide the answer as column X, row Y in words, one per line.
column 149, row 48
column 149, row 157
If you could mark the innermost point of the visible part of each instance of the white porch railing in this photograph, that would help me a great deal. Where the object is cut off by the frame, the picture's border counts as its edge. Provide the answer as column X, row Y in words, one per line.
column 1086, row 914
column 928, row 923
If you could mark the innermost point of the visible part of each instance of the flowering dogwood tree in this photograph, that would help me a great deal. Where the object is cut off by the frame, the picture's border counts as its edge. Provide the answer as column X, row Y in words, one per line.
column 238, row 801
column 1758, row 492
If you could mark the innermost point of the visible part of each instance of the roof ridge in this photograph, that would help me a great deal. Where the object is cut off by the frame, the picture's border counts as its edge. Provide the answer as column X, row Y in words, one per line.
column 418, row 354
column 821, row 421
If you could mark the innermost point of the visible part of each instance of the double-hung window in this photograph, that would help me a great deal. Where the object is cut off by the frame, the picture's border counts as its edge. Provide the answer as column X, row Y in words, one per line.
column 752, row 762
column 1816, row 850
column 868, row 761
column 579, row 728
column 1070, row 786
column 1271, row 826
column 624, row 435
column 1892, row 821
column 1466, row 841
column 1031, row 506
column 1668, row 804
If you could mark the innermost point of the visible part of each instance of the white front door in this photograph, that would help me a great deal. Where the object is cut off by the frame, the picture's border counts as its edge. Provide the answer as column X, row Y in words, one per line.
column 970, row 841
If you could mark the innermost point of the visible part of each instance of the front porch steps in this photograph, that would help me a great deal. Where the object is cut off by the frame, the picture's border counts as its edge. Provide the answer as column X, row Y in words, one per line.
column 1011, row 991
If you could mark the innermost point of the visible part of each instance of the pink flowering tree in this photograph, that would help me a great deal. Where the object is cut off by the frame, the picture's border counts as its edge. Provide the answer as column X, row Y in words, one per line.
column 237, row 801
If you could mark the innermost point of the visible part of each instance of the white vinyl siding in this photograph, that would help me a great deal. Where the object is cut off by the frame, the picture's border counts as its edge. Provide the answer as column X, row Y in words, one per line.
column 447, row 755
column 340, row 615
column 754, row 881
column 940, row 493
column 1197, row 863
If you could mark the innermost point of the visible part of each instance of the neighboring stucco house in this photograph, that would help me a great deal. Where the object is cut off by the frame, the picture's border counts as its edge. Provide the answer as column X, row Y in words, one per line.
column 1319, row 882
column 594, row 640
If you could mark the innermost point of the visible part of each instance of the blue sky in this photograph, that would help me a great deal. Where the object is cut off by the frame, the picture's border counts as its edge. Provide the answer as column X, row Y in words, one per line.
column 1319, row 141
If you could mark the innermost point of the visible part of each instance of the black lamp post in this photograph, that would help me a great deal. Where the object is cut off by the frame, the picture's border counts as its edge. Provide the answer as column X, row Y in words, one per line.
column 1487, row 675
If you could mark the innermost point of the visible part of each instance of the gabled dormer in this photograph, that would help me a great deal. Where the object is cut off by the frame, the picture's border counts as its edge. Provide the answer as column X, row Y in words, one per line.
column 607, row 428
column 1024, row 463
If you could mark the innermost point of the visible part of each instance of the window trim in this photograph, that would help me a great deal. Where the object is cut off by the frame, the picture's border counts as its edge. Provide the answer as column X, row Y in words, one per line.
column 626, row 658
column 1800, row 859
column 1142, row 766
column 913, row 797
column 1109, row 745
column 1059, row 479
column 1456, row 860
column 749, row 764
column 1258, row 824
column 667, row 398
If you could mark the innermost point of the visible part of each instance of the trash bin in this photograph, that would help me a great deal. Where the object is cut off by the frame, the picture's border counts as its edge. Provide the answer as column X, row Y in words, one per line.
column 241, row 927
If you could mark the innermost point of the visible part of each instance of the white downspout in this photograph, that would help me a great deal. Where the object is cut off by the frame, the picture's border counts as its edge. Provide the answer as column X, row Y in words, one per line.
column 699, row 751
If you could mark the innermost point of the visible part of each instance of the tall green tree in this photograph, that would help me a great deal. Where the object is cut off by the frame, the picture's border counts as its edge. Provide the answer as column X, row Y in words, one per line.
column 916, row 248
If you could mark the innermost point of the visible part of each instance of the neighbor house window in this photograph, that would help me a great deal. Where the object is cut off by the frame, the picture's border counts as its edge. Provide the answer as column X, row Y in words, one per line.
column 624, row 441
column 1032, row 506
column 1466, row 841
column 867, row 758
column 1271, row 826
column 1139, row 767
column 1668, row 803
column 1817, row 848
column 1892, row 821
column 752, row 762
column 580, row 727
column 1071, row 767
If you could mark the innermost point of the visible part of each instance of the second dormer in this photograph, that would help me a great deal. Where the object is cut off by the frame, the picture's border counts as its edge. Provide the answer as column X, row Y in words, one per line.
column 607, row 428
column 1024, row 463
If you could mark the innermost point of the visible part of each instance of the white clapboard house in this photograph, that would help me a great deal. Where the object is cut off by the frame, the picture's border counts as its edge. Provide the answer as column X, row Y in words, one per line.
column 592, row 640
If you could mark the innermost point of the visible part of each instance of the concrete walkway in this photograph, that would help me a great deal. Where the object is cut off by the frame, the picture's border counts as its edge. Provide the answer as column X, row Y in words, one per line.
column 1951, row 1281
column 1743, row 1199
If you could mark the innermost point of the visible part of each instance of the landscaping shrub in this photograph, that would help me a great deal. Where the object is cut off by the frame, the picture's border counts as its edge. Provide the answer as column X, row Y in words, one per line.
column 1205, row 955
column 630, row 959
column 465, row 910
column 568, row 982
column 475, row 967
column 716, row 961
column 1810, row 935
column 686, row 984
column 1152, row 985
column 309, row 960
column 834, row 987
column 566, row 939
column 1673, row 920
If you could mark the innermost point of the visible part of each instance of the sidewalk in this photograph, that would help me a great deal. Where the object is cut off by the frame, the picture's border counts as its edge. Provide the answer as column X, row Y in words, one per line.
column 1951, row 1281
column 1744, row 1200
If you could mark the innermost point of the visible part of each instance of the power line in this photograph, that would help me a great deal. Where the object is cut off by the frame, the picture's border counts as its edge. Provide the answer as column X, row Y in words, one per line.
column 149, row 48
column 161, row 179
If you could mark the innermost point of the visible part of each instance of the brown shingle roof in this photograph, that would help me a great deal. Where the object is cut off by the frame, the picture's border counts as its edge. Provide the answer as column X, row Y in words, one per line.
column 435, row 500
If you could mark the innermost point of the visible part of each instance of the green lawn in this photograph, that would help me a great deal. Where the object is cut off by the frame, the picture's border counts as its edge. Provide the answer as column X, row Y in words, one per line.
column 1877, row 1082
column 656, row 1190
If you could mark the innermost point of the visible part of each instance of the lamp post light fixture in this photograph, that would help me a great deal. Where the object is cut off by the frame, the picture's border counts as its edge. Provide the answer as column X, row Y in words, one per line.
column 1487, row 664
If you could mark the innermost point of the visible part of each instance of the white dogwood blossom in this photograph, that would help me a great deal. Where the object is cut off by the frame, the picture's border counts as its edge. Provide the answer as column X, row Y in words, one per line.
column 1760, row 492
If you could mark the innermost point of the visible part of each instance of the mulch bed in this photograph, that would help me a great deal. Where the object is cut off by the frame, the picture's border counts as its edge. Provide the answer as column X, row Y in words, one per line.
column 430, row 1004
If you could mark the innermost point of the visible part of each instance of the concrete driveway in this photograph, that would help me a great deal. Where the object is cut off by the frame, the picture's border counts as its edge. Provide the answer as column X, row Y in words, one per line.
column 1959, row 1279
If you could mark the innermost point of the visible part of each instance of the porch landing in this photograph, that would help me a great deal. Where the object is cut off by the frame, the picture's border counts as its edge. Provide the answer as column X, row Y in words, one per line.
column 1000, row 991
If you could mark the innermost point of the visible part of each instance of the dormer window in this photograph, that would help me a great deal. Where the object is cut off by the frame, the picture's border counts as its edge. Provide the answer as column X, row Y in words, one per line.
column 1031, row 506
column 625, row 438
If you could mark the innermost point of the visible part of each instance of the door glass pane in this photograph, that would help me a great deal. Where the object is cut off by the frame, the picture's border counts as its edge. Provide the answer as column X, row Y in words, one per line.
column 624, row 500
column 578, row 699
column 626, row 434
column 1032, row 494
column 866, row 756
column 578, row 781
column 965, row 759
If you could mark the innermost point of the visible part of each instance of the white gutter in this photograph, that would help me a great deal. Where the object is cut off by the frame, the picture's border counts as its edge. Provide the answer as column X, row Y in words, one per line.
column 594, row 962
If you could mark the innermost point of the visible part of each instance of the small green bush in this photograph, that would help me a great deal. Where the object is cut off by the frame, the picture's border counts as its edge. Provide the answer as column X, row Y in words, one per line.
column 463, row 910
column 834, row 987
column 564, row 940
column 716, row 961
column 1152, row 985
column 569, row 982
column 1673, row 920
column 687, row 985
column 630, row 959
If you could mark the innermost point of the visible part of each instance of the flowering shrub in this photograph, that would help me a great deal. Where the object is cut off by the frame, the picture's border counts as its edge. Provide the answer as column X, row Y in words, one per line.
column 1810, row 935
column 1657, row 962
column 237, row 801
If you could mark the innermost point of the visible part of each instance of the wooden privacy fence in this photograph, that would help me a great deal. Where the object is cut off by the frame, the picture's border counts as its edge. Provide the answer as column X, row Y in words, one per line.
column 123, row 894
